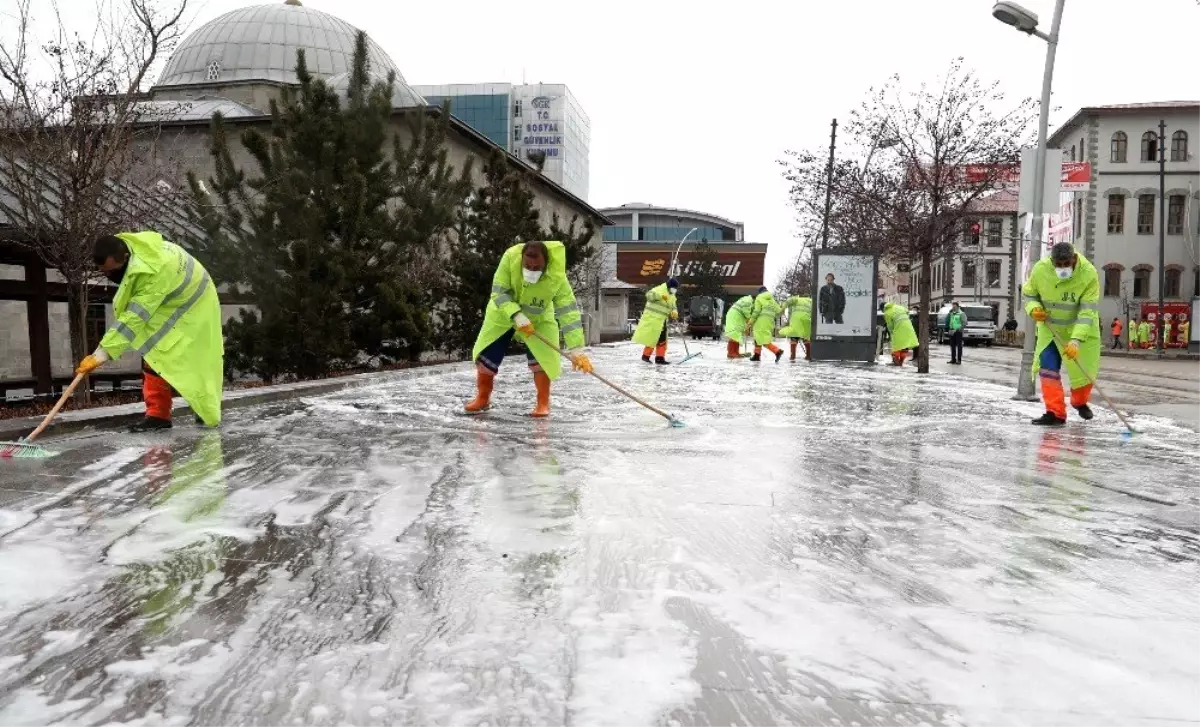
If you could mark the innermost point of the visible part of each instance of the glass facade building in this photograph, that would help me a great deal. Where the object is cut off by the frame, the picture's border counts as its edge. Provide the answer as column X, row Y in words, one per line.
column 527, row 120
column 486, row 113
column 639, row 222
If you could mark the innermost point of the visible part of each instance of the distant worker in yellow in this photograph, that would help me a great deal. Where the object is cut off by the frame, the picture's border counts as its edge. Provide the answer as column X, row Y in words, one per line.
column 530, row 293
column 651, row 330
column 799, row 327
column 762, row 320
column 736, row 321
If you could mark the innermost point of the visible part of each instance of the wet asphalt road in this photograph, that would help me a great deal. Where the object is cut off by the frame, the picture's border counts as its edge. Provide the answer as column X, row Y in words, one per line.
column 820, row 544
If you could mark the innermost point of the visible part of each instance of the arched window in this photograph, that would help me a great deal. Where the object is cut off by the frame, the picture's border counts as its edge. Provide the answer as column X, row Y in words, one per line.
column 1179, row 146
column 1141, row 280
column 1149, row 147
column 1120, row 147
column 1112, row 280
column 1172, row 281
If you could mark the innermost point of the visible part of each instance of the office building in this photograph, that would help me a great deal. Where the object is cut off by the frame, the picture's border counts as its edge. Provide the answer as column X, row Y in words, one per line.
column 527, row 120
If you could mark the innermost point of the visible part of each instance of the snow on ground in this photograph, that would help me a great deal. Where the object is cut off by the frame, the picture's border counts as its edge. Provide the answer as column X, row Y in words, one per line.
column 833, row 544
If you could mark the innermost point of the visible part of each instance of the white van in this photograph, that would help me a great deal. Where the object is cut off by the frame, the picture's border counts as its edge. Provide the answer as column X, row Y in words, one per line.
column 979, row 328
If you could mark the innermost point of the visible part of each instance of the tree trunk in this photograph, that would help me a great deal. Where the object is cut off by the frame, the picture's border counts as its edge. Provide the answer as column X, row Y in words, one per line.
column 926, row 294
column 77, row 305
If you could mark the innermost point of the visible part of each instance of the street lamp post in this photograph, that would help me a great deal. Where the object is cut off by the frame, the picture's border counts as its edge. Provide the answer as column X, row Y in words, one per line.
column 1023, row 20
column 1161, row 328
column 829, row 185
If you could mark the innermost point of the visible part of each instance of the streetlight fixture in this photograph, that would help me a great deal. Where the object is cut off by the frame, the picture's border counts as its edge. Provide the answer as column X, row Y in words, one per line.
column 1011, row 13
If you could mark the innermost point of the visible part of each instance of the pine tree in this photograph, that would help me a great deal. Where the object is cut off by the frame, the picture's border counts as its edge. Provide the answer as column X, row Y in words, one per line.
column 333, row 234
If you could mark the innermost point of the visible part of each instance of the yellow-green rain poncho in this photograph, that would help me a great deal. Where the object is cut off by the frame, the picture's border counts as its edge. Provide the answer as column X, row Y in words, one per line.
column 167, row 310
column 1073, row 306
column 799, row 318
column 660, row 303
column 549, row 304
column 766, row 310
column 737, row 316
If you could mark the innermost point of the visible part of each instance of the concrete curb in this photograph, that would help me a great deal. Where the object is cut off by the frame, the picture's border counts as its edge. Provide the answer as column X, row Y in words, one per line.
column 1168, row 356
column 115, row 416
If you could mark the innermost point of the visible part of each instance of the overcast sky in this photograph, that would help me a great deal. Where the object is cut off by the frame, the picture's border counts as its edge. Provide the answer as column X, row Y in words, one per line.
column 693, row 103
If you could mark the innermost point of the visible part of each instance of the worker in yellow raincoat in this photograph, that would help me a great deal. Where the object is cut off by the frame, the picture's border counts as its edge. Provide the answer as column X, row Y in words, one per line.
column 168, row 312
column 799, row 327
column 530, row 293
column 763, row 317
column 1063, row 295
column 651, row 330
column 736, row 320
column 900, row 330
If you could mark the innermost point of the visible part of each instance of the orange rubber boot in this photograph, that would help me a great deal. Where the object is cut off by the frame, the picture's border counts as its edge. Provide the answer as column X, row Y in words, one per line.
column 792, row 348
column 1053, row 395
column 1081, row 396
column 484, row 380
column 157, row 394
column 732, row 350
column 542, row 382
column 807, row 351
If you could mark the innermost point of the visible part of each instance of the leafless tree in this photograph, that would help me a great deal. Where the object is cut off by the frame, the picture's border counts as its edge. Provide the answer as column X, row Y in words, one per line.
column 797, row 277
column 947, row 145
column 74, row 129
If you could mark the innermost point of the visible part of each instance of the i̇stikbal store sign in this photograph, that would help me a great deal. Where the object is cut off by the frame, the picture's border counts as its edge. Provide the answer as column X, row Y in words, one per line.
column 647, row 267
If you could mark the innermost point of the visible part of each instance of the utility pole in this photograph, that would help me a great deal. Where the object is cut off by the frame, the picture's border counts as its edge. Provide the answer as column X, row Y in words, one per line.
column 829, row 185
column 1161, row 328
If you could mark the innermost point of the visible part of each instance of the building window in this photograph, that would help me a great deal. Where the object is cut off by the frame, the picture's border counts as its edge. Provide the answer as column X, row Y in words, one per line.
column 968, row 278
column 993, row 273
column 1112, row 282
column 517, row 109
column 517, row 132
column 1149, row 147
column 1179, row 146
column 1145, row 220
column 1072, row 152
column 972, row 233
column 1175, row 214
column 1120, row 147
column 95, row 324
column 995, row 232
column 1141, row 281
column 1172, row 282
column 1116, row 214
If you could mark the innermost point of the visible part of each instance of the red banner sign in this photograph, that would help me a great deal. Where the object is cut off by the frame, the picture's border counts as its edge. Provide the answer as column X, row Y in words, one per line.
column 1176, row 314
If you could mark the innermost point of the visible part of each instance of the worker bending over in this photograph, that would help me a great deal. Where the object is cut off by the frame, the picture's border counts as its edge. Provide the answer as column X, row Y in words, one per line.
column 900, row 331
column 651, row 330
column 799, row 327
column 167, row 311
column 530, row 294
column 736, row 321
column 1063, row 295
column 762, row 317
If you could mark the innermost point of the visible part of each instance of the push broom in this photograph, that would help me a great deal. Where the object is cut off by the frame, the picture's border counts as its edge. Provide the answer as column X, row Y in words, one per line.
column 1129, row 430
column 670, row 419
column 24, row 448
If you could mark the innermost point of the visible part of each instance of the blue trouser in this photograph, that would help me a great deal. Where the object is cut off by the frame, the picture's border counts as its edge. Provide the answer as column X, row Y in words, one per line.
column 1051, row 359
column 491, row 357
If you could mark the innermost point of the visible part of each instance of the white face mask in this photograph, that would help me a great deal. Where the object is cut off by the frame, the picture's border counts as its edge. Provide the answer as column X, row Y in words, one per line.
column 1064, row 273
column 531, row 276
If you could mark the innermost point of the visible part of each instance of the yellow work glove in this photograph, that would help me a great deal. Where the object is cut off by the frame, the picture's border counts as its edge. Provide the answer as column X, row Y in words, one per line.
column 523, row 324
column 674, row 315
column 1039, row 314
column 90, row 363
column 580, row 362
column 1072, row 350
column 666, row 297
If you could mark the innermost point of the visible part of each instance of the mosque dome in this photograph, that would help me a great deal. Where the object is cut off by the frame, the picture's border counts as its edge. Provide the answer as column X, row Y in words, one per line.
column 259, row 43
column 403, row 96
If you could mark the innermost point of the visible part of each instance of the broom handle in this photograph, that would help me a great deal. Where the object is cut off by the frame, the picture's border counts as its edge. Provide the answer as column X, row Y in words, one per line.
column 614, row 387
column 54, row 412
column 1086, row 375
